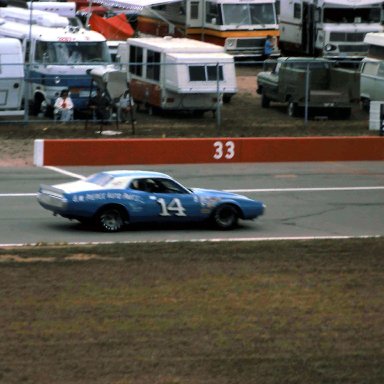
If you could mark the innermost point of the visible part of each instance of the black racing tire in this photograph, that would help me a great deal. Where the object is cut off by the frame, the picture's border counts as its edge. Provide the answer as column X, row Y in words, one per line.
column 225, row 217
column 111, row 219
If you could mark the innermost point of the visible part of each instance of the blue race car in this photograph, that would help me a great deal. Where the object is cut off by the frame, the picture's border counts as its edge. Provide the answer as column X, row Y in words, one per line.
column 114, row 199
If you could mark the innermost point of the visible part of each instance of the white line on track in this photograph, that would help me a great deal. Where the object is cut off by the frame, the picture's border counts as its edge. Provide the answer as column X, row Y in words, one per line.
column 306, row 189
column 214, row 240
column 64, row 172
column 335, row 189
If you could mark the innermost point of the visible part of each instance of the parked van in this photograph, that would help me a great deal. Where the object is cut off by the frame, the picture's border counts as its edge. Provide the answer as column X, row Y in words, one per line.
column 11, row 77
column 372, row 71
column 57, row 55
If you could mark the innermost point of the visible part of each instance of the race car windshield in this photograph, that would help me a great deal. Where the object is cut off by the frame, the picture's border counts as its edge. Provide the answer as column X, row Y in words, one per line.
column 101, row 179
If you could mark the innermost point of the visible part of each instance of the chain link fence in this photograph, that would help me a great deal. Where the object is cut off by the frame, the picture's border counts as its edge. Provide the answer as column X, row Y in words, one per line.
column 310, row 88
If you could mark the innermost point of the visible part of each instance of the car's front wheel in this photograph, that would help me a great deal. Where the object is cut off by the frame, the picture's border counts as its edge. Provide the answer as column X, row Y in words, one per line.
column 225, row 216
column 111, row 219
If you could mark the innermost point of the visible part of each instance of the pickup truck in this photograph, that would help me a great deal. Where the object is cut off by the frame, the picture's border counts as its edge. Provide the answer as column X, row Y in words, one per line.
column 330, row 88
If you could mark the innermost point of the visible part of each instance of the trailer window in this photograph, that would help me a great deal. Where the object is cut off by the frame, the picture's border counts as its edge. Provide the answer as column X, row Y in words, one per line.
column 194, row 9
column 297, row 11
column 352, row 15
column 153, row 66
column 136, row 60
column 213, row 70
column 212, row 14
column 205, row 72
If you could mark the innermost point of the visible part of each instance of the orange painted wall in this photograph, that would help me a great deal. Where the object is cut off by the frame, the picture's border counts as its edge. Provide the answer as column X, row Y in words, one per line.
column 213, row 150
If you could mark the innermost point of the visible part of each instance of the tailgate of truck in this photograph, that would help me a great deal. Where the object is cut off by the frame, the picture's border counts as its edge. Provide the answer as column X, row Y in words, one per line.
column 328, row 98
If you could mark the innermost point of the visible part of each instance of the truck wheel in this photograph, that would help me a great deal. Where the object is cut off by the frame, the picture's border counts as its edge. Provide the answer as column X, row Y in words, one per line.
column 265, row 100
column 292, row 109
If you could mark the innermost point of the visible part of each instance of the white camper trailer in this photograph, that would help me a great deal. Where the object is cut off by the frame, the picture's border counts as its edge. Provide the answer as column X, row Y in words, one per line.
column 56, row 55
column 329, row 28
column 11, row 77
column 178, row 73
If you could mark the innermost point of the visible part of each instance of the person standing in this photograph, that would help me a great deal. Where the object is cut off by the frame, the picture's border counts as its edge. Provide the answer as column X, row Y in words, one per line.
column 126, row 106
column 269, row 46
column 100, row 104
column 63, row 108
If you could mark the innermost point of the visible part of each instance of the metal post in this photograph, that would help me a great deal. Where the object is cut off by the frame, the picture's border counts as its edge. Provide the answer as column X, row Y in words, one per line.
column 27, row 68
column 218, row 112
column 307, row 89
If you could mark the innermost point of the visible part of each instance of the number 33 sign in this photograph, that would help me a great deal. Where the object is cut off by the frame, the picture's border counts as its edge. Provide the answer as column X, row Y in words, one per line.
column 224, row 150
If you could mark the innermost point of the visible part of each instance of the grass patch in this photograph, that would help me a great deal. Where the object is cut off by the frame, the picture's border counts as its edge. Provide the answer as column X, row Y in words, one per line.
column 265, row 312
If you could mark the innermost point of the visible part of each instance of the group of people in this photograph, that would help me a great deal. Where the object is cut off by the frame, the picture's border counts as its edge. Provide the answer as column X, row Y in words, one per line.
column 100, row 104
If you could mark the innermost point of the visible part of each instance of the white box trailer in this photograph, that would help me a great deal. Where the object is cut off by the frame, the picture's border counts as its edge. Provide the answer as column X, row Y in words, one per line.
column 178, row 73
column 11, row 77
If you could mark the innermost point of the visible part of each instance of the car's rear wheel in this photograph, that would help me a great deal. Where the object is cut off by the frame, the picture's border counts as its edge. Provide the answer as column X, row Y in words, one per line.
column 111, row 219
column 225, row 216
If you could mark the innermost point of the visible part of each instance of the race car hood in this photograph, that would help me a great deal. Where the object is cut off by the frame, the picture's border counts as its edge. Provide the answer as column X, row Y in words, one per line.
column 78, row 186
column 217, row 194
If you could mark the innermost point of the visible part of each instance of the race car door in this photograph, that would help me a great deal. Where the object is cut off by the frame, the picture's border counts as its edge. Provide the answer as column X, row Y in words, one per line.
column 167, row 201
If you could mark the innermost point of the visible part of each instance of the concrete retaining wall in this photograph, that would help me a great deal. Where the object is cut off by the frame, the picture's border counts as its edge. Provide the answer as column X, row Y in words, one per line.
column 90, row 152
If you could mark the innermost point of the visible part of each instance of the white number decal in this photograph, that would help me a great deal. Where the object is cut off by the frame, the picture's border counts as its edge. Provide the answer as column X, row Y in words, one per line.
column 226, row 149
column 174, row 207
